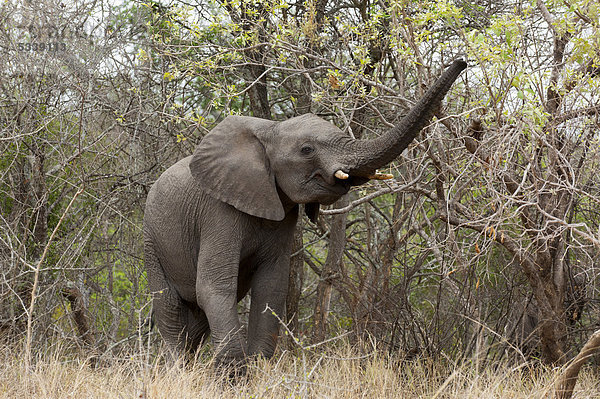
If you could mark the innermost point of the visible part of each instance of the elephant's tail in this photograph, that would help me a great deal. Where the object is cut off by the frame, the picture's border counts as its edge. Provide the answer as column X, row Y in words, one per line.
column 156, row 281
column 148, row 324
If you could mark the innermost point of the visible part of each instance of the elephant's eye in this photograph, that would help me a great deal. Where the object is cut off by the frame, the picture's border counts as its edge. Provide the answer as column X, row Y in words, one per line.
column 306, row 149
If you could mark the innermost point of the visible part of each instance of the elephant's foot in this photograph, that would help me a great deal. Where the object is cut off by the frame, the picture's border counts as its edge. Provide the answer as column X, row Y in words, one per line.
column 234, row 369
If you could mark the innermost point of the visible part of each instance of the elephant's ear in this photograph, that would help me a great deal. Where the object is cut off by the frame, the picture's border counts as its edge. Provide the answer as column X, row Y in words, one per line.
column 231, row 165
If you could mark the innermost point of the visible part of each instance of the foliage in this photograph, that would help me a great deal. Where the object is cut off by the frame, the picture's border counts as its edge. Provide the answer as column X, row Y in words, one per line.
column 493, row 213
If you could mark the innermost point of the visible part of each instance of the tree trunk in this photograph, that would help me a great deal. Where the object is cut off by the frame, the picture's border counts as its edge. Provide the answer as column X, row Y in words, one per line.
column 552, row 324
column 337, row 243
column 568, row 378
column 40, row 199
column 259, row 102
column 252, row 19
column 296, row 278
column 80, row 315
column 304, row 103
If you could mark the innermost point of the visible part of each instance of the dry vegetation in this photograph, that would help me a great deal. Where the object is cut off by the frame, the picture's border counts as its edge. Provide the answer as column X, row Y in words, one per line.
column 331, row 372
column 482, row 258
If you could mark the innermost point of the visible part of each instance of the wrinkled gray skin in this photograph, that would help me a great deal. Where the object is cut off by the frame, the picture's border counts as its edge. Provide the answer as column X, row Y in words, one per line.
column 220, row 223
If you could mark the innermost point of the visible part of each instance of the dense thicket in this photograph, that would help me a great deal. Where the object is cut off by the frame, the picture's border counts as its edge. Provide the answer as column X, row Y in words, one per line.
column 487, row 242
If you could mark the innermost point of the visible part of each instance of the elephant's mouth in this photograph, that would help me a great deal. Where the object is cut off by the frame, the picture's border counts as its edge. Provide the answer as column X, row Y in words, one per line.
column 358, row 179
column 340, row 187
column 343, row 181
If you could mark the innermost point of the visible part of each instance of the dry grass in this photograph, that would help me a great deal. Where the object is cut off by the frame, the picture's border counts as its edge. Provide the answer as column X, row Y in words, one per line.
column 321, row 373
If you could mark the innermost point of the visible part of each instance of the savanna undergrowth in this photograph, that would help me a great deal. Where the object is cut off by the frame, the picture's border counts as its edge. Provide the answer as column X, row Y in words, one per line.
column 335, row 371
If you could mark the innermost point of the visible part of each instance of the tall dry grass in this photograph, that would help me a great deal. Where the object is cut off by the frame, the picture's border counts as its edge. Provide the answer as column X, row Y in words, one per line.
column 332, row 372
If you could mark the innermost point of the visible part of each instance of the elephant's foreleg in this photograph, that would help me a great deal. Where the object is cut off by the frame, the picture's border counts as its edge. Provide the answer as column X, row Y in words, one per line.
column 269, row 290
column 216, row 292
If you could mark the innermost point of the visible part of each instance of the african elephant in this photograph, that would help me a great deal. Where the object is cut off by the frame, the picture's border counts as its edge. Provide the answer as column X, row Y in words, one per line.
column 220, row 222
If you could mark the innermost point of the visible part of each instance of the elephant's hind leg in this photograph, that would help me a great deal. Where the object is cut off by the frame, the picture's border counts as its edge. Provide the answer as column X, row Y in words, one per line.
column 182, row 325
column 197, row 326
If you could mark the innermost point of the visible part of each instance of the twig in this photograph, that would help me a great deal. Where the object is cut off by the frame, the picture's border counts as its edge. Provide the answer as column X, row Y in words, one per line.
column 387, row 190
column 297, row 341
column 36, row 279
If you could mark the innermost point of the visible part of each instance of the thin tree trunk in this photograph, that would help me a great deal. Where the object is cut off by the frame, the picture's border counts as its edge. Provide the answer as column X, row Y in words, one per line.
column 337, row 243
column 252, row 18
column 304, row 104
column 296, row 278
column 40, row 198
column 80, row 314
column 259, row 102
column 568, row 378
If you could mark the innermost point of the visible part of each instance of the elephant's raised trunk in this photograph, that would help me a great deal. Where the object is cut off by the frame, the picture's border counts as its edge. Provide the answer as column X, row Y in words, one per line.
column 366, row 156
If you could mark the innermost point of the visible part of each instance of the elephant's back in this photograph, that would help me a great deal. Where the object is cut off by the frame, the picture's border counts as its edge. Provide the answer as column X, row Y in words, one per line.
column 175, row 200
column 168, row 193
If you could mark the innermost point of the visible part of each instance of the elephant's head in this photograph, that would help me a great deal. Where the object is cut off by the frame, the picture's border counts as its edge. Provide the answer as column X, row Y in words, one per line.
column 254, row 164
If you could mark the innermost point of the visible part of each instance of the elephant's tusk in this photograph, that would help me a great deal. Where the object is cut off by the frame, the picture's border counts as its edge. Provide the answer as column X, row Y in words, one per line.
column 381, row 176
column 340, row 174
